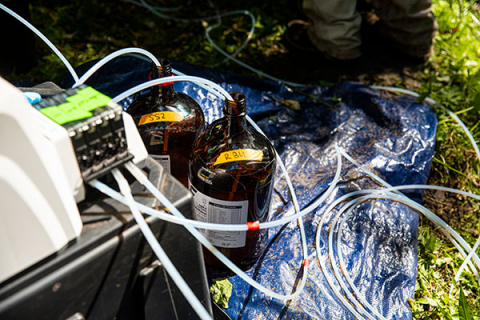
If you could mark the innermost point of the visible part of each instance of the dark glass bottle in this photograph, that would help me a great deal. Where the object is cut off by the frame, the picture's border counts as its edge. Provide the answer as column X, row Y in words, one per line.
column 168, row 122
column 231, row 176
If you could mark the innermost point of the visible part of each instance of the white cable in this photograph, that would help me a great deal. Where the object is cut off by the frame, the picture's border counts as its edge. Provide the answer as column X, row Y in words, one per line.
column 112, row 56
column 154, row 82
column 160, row 253
column 247, row 39
column 164, row 9
column 44, row 39
column 374, row 194
column 467, row 260
column 371, row 194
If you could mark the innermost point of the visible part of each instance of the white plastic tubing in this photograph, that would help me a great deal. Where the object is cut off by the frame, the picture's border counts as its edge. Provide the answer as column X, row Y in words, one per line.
column 41, row 36
column 112, row 56
column 159, row 252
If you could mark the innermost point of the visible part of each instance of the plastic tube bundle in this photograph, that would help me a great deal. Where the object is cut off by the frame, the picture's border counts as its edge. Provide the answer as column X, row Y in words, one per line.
column 379, row 194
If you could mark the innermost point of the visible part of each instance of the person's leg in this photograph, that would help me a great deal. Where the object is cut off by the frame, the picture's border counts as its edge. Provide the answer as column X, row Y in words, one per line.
column 410, row 24
column 334, row 27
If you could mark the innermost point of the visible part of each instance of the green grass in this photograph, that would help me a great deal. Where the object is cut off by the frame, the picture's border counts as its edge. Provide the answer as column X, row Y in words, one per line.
column 451, row 77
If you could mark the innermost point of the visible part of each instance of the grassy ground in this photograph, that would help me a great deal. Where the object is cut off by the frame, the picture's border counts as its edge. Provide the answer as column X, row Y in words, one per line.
column 86, row 30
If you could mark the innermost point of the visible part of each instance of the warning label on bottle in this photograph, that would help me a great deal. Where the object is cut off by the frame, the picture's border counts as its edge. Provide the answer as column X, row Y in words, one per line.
column 164, row 161
column 219, row 211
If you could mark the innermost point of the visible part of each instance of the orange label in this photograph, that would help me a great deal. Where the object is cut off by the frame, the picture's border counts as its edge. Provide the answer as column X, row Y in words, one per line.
column 239, row 155
column 160, row 116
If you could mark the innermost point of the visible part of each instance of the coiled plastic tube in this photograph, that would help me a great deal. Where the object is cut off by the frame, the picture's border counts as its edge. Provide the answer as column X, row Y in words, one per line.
column 336, row 271
column 44, row 39
column 375, row 194
column 112, row 56
column 398, row 197
column 430, row 215
column 160, row 253
column 342, row 265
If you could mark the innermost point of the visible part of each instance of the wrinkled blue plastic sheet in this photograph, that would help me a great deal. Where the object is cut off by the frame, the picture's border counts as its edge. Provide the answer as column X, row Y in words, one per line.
column 393, row 136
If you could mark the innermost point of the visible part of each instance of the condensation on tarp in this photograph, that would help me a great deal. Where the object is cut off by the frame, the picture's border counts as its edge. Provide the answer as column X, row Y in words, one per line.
column 393, row 136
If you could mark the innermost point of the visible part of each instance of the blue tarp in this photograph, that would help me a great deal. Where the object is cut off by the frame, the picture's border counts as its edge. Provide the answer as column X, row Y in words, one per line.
column 392, row 136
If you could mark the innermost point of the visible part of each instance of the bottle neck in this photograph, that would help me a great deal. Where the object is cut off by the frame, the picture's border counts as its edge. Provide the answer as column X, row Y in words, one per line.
column 236, row 125
column 235, row 112
column 163, row 71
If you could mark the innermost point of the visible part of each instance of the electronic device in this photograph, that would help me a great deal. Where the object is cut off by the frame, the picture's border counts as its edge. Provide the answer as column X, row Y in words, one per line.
column 47, row 153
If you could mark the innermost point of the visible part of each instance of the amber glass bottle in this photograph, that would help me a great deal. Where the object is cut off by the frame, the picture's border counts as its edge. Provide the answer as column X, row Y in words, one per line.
column 168, row 122
column 231, row 177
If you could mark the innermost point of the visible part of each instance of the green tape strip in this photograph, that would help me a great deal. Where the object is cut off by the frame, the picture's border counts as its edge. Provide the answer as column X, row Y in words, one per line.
column 78, row 106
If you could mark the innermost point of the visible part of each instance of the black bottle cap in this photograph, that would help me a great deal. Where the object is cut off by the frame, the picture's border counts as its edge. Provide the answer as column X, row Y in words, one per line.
column 237, row 107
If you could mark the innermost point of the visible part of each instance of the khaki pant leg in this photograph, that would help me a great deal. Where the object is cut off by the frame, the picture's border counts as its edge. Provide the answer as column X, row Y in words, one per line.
column 410, row 24
column 334, row 27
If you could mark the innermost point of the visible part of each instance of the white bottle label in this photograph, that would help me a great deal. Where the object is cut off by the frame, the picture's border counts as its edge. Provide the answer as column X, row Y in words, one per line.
column 164, row 161
column 219, row 211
